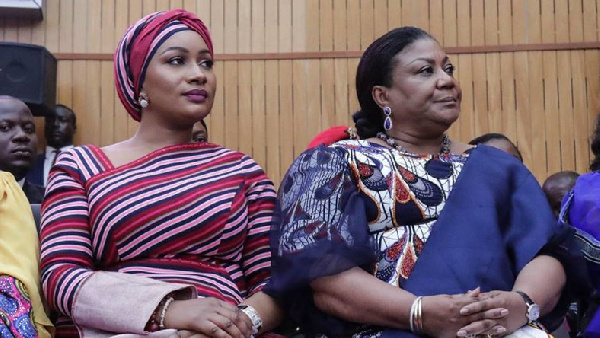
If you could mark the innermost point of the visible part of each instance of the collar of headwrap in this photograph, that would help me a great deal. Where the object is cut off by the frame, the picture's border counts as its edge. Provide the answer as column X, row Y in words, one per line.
column 138, row 45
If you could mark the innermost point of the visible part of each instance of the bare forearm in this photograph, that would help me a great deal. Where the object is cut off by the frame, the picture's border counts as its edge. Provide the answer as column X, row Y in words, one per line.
column 269, row 310
column 357, row 296
column 543, row 280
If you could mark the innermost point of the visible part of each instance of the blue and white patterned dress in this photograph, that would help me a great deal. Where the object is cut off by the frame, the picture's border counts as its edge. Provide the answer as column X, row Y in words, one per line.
column 330, row 194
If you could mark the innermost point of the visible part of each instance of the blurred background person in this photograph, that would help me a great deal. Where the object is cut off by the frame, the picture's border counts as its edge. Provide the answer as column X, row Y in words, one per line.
column 59, row 128
column 18, row 144
column 499, row 141
column 200, row 132
column 556, row 186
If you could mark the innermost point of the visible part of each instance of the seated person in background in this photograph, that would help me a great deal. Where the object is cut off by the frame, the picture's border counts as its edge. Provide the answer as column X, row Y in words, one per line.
column 556, row 186
column 21, row 308
column 332, row 135
column 406, row 232
column 59, row 128
column 581, row 209
column 154, row 234
column 200, row 132
column 499, row 141
column 18, row 144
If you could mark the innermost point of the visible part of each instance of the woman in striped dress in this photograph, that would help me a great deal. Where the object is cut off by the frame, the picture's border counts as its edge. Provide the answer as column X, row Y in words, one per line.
column 156, row 235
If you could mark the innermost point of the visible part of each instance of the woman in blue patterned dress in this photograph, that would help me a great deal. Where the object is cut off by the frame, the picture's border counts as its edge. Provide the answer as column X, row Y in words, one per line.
column 406, row 232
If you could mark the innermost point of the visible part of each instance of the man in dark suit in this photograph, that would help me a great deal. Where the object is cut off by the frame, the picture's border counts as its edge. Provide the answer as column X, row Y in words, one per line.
column 18, row 144
column 59, row 128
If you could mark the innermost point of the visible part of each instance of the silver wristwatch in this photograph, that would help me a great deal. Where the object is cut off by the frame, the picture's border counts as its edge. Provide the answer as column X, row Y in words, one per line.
column 533, row 310
column 254, row 317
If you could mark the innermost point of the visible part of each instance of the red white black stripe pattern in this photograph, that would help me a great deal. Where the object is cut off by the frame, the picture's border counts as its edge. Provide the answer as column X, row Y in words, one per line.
column 197, row 214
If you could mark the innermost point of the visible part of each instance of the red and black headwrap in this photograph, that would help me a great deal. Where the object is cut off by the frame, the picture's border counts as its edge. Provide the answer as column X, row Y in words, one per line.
column 138, row 46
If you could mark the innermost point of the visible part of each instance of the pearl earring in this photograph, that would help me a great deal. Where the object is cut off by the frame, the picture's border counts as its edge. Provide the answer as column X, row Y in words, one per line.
column 143, row 102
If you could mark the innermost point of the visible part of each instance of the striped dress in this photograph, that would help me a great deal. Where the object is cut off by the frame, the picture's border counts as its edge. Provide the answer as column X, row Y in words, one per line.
column 197, row 214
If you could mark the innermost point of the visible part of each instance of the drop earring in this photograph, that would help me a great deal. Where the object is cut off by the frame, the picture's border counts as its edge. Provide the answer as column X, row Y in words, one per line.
column 387, row 123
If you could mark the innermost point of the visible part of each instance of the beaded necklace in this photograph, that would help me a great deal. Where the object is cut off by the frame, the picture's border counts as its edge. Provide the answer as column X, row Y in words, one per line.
column 445, row 149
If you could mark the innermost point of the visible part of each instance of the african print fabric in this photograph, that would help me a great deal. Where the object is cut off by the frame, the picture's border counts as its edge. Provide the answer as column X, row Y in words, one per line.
column 16, row 316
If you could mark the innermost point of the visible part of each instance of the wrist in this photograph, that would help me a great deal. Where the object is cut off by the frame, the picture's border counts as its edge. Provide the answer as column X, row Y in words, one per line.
column 531, row 309
column 254, row 316
column 415, row 318
column 157, row 319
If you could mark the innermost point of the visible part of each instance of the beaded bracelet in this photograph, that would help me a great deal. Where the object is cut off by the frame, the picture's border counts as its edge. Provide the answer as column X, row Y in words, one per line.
column 163, row 312
column 157, row 319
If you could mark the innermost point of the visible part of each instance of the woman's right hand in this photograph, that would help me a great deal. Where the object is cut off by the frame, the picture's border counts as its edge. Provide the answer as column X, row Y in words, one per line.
column 208, row 316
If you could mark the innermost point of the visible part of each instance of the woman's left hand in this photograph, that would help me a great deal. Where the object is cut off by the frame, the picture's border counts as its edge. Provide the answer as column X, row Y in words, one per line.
column 496, row 313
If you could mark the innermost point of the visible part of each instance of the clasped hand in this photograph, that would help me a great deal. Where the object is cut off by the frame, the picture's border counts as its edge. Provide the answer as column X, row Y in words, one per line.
column 207, row 317
column 473, row 313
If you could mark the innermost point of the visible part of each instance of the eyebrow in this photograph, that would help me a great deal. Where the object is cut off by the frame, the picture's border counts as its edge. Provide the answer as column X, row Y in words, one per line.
column 428, row 60
column 183, row 50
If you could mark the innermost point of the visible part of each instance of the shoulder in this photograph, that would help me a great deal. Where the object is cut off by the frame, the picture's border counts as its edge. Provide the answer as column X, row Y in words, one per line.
column 350, row 145
column 315, row 167
column 232, row 155
column 499, row 172
column 496, row 161
column 332, row 157
column 585, row 192
column 80, row 151
column 81, row 161
column 234, row 162
column 588, row 180
column 77, row 155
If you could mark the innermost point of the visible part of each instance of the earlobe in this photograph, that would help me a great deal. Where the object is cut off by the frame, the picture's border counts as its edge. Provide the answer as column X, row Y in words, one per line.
column 380, row 96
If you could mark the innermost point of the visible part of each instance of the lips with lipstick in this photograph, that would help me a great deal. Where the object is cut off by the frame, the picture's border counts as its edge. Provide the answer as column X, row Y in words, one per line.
column 196, row 95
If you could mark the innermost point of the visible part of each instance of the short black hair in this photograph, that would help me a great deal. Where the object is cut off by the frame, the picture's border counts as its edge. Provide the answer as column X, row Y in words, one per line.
column 485, row 138
column 489, row 137
column 375, row 69
column 69, row 109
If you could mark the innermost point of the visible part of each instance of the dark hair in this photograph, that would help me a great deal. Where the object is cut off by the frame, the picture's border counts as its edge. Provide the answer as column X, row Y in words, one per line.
column 485, row 138
column 595, row 146
column 74, row 117
column 375, row 69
